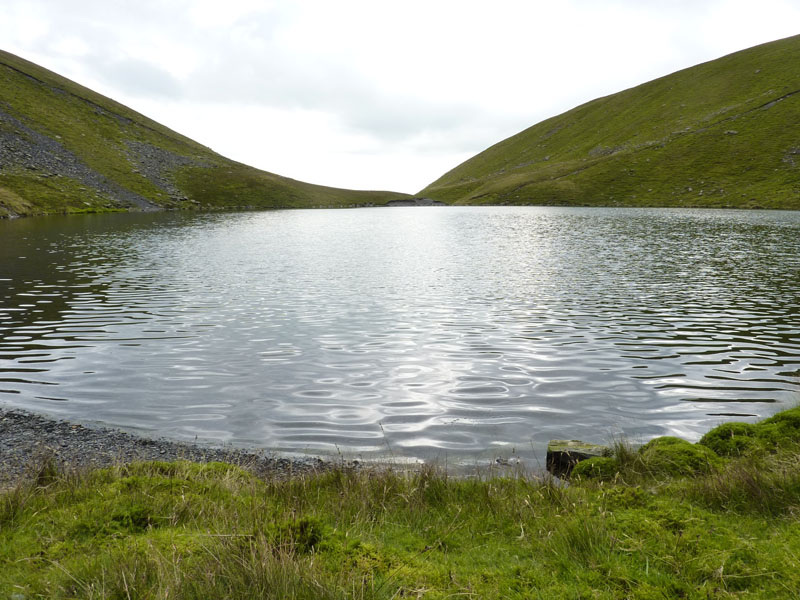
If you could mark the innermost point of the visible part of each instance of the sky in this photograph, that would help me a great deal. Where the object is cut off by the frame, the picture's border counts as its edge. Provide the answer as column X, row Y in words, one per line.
column 370, row 94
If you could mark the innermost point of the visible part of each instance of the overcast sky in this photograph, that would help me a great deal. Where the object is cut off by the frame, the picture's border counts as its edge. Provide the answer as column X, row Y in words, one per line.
column 370, row 94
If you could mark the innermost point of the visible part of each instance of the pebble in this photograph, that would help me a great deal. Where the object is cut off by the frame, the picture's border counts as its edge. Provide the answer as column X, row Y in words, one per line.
column 25, row 437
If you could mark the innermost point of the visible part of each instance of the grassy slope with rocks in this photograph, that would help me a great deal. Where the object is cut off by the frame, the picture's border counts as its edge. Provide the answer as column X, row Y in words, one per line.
column 67, row 149
column 720, row 134
column 673, row 520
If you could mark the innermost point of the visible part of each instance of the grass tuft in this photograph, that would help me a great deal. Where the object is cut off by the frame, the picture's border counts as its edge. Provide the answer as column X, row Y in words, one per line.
column 693, row 528
column 758, row 483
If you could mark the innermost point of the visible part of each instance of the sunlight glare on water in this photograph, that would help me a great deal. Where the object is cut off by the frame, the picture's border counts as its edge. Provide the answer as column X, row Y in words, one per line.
column 420, row 332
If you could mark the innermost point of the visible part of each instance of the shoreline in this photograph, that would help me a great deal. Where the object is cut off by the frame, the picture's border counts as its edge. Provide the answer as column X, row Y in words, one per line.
column 28, row 440
column 435, row 203
column 26, row 436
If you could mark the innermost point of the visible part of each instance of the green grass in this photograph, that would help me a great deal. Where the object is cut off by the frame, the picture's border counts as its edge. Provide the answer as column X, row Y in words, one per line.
column 234, row 185
column 52, row 194
column 720, row 528
column 720, row 134
column 96, row 131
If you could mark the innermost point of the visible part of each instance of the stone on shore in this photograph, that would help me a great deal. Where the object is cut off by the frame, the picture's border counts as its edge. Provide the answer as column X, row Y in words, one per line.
column 563, row 455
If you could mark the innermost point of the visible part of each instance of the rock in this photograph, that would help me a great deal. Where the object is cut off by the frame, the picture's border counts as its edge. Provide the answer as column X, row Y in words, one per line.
column 38, row 152
column 159, row 165
column 563, row 455
column 26, row 436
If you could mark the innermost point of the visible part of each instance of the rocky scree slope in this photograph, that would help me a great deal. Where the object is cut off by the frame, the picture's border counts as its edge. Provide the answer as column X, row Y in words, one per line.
column 66, row 149
column 725, row 133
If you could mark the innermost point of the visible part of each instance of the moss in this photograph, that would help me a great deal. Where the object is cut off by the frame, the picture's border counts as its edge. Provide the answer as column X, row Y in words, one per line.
column 671, row 456
column 743, row 439
column 787, row 421
column 778, row 431
column 731, row 439
column 625, row 496
column 775, row 435
column 601, row 467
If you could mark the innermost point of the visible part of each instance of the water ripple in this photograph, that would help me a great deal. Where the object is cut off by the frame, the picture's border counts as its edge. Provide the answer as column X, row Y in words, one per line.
column 414, row 333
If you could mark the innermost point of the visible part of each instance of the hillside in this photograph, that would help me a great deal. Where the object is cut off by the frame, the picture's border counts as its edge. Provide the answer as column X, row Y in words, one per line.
column 725, row 133
column 65, row 149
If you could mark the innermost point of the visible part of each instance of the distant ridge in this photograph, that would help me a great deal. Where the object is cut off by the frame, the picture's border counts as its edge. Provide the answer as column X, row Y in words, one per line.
column 725, row 133
column 65, row 149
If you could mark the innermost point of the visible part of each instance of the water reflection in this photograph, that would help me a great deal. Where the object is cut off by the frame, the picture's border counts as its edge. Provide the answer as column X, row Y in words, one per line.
column 424, row 331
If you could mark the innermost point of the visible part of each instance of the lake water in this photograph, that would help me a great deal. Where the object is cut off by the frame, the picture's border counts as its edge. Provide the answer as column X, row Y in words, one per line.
column 462, row 334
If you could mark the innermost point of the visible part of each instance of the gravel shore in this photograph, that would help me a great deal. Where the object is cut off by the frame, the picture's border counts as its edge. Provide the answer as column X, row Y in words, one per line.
column 25, row 436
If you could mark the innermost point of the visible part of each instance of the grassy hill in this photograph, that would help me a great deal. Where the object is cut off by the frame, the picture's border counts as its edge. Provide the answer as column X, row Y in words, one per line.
column 725, row 133
column 65, row 148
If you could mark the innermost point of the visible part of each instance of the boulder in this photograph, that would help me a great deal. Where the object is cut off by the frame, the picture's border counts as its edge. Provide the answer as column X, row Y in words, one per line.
column 563, row 455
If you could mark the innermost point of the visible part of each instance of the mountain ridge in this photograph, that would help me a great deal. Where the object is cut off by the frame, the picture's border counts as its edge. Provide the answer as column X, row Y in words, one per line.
column 65, row 148
column 719, row 134
column 723, row 133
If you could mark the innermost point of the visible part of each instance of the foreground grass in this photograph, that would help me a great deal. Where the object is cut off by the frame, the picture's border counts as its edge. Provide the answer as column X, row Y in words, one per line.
column 723, row 528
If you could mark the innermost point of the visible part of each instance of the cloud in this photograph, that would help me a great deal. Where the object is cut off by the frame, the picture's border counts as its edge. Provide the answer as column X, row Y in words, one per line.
column 422, row 78
column 140, row 78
